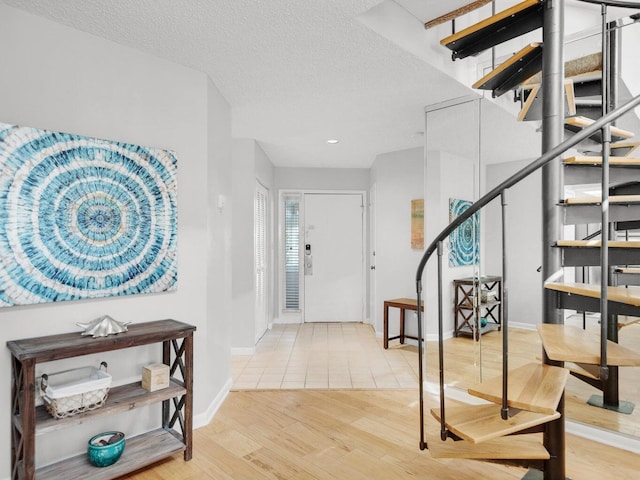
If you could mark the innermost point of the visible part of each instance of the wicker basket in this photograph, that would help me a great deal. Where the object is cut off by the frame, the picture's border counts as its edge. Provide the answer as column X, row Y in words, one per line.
column 75, row 391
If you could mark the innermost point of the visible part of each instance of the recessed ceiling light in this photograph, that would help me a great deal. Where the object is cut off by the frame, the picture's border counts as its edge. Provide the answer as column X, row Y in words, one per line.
column 332, row 141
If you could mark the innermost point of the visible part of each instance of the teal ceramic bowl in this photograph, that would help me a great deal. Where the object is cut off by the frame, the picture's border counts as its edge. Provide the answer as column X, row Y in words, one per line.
column 106, row 448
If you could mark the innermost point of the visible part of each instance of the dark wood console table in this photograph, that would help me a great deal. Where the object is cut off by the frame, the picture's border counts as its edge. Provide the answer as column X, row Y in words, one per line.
column 174, row 435
column 403, row 304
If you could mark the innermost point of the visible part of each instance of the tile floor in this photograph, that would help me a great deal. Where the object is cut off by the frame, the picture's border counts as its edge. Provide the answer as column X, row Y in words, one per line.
column 325, row 355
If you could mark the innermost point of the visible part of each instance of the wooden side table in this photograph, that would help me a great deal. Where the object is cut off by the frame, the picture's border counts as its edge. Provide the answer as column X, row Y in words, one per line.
column 403, row 304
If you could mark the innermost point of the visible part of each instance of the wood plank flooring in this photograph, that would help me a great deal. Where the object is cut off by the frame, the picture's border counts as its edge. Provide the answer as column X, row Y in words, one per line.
column 350, row 435
column 372, row 433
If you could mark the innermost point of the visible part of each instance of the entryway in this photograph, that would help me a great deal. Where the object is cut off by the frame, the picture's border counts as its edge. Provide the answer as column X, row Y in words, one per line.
column 322, row 262
column 333, row 257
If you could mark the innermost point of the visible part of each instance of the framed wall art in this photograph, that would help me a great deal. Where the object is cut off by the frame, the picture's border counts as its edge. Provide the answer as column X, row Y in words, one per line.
column 464, row 241
column 417, row 224
column 84, row 218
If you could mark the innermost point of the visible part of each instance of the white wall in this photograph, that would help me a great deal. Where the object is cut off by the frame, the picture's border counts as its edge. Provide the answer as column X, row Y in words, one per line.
column 321, row 178
column 250, row 163
column 60, row 79
column 399, row 178
column 447, row 176
column 524, row 246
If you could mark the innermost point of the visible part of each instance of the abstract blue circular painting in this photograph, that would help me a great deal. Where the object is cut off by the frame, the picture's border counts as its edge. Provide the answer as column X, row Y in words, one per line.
column 464, row 241
column 84, row 218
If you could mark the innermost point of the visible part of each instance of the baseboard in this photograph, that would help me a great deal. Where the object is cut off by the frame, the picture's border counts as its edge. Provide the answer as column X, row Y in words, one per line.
column 433, row 337
column 203, row 419
column 243, row 351
column 606, row 437
column 523, row 325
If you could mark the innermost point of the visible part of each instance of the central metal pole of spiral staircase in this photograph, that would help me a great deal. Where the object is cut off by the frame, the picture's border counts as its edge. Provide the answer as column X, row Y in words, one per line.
column 552, row 191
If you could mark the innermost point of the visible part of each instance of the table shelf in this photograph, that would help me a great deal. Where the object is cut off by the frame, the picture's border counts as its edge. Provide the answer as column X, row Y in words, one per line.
column 120, row 399
column 139, row 452
column 469, row 310
column 176, row 421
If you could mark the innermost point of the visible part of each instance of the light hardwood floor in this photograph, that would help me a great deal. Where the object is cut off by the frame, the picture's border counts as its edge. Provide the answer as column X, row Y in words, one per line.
column 347, row 434
column 328, row 402
column 345, row 356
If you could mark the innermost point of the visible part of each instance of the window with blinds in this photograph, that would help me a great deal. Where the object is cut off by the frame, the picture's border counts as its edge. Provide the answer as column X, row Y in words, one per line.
column 292, row 253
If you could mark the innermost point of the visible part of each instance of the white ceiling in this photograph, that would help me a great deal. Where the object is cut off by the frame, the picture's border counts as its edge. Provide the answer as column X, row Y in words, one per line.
column 294, row 72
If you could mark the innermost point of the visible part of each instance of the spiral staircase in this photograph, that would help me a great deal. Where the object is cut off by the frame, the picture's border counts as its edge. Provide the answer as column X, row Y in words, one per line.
column 526, row 402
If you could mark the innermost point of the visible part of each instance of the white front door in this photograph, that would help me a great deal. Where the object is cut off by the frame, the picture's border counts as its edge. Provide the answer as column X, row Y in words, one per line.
column 333, row 257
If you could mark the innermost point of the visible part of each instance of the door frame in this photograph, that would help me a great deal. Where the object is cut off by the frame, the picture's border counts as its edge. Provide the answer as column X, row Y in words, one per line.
column 259, row 330
column 297, row 316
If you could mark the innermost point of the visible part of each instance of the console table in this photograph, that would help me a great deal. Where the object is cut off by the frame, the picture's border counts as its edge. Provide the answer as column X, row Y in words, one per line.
column 469, row 307
column 403, row 304
column 27, row 421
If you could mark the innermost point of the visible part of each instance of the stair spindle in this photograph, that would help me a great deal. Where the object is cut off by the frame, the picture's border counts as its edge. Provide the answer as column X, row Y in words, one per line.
column 504, row 311
column 443, row 427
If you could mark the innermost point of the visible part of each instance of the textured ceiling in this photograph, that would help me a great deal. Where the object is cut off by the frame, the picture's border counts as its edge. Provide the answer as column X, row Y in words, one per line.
column 295, row 72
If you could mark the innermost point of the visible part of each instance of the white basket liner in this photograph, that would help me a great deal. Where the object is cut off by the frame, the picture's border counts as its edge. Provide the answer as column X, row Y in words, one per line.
column 76, row 382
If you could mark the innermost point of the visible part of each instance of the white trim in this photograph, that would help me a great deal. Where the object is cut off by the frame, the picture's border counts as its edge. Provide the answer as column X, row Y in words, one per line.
column 203, row 419
column 287, row 320
column 523, row 326
column 433, row 337
column 298, row 316
column 606, row 437
column 243, row 351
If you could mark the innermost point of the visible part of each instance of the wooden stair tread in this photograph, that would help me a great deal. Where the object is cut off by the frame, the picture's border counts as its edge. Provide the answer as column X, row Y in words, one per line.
column 581, row 69
column 632, row 146
column 533, row 387
column 631, row 270
column 597, row 200
column 496, row 29
column 567, row 343
column 532, row 107
column 627, row 295
column 512, row 72
column 593, row 160
column 584, row 369
column 528, row 447
column 596, row 244
column 453, row 14
column 626, row 320
column 480, row 423
column 583, row 122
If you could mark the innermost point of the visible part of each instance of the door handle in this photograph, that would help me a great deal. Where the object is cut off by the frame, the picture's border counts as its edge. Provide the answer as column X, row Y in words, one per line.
column 308, row 265
column 373, row 267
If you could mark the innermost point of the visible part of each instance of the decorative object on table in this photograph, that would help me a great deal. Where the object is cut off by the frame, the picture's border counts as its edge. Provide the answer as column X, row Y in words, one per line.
column 106, row 448
column 75, row 391
column 103, row 326
column 487, row 295
column 84, row 217
column 417, row 224
column 464, row 241
column 155, row 377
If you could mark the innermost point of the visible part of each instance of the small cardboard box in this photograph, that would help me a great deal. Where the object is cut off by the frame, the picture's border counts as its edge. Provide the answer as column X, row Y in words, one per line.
column 155, row 377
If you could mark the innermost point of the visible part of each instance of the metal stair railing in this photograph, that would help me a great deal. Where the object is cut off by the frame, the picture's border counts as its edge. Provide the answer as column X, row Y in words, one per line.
column 436, row 244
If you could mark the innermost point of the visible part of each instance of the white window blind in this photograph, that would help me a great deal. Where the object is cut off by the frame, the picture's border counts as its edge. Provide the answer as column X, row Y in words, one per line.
column 292, row 253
